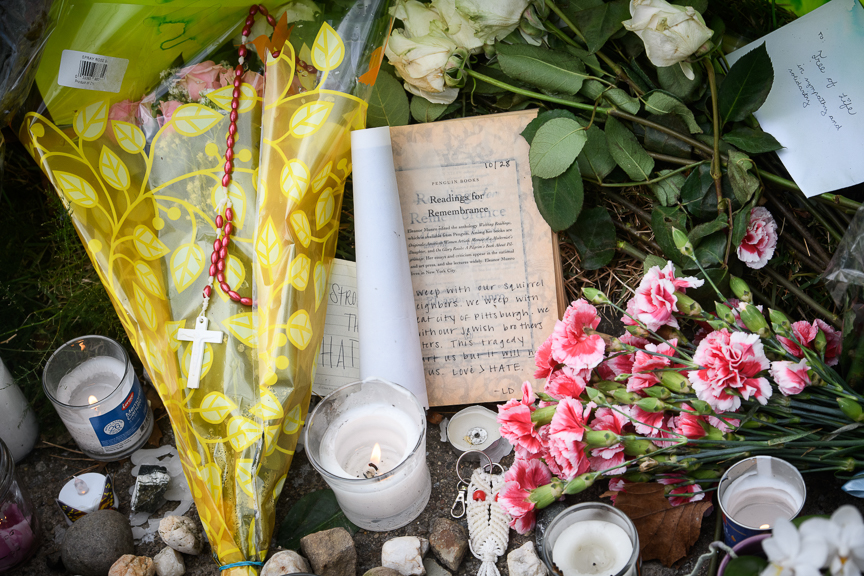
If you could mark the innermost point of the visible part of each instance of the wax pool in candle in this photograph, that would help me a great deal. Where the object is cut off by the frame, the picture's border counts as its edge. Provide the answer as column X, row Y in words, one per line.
column 90, row 382
column 592, row 548
column 759, row 498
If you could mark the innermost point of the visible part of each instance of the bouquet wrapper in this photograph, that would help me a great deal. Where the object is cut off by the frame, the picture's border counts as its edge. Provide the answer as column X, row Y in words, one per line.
column 142, row 198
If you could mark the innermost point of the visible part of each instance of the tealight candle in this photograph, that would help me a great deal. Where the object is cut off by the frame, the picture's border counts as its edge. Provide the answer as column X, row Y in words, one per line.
column 757, row 491
column 84, row 494
column 92, row 385
column 368, row 441
column 591, row 539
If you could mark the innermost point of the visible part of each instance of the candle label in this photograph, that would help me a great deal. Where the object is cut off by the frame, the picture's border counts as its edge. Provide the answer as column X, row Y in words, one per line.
column 121, row 427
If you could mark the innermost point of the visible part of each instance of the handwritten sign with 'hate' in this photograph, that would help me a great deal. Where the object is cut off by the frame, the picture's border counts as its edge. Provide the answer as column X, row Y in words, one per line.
column 816, row 105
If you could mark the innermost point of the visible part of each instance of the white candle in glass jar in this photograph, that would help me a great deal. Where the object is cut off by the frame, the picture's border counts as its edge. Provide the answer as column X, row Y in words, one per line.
column 18, row 426
column 592, row 548
column 759, row 498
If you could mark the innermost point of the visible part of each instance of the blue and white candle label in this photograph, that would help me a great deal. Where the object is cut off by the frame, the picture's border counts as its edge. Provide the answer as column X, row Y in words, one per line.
column 123, row 426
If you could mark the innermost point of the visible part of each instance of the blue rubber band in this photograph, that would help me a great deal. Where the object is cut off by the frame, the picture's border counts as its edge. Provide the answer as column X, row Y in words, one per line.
column 239, row 564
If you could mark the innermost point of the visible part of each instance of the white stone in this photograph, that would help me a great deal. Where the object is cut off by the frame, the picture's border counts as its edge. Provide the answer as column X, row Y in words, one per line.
column 181, row 534
column 524, row 562
column 405, row 555
column 285, row 562
column 169, row 562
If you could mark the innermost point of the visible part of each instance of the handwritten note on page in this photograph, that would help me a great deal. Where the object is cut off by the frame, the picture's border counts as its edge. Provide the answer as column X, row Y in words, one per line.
column 339, row 356
column 816, row 105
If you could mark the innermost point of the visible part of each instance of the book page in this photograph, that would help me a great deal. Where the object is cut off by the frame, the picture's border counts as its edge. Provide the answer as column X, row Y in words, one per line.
column 816, row 105
column 481, row 257
column 338, row 361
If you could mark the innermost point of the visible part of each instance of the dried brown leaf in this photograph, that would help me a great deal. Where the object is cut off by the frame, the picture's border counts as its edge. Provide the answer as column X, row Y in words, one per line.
column 666, row 533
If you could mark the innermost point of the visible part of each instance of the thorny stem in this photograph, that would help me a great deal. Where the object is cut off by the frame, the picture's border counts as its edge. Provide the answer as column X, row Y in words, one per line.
column 716, row 170
column 536, row 95
column 836, row 200
column 652, row 181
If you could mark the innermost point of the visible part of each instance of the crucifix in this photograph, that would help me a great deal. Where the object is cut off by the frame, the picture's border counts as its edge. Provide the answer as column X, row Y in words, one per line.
column 198, row 337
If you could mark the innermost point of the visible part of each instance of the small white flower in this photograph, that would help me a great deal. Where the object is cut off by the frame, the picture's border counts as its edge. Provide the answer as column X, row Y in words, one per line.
column 844, row 533
column 792, row 553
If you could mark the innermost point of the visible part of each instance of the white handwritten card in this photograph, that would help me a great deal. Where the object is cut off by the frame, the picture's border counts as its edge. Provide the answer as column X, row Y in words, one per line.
column 816, row 106
column 338, row 361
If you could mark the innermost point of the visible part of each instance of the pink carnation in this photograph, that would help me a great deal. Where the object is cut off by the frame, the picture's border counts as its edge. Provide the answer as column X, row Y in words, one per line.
column 689, row 424
column 730, row 362
column 674, row 479
column 202, row 76
column 516, row 425
column 565, row 435
column 544, row 361
column 607, row 457
column 791, row 377
column 570, row 343
column 522, row 477
column 646, row 423
column 623, row 363
column 759, row 242
column 616, row 485
column 806, row 333
column 646, row 367
column 565, row 383
column 655, row 300
column 724, row 423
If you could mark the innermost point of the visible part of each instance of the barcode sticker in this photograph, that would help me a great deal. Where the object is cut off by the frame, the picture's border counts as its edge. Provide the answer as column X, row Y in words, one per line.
column 91, row 71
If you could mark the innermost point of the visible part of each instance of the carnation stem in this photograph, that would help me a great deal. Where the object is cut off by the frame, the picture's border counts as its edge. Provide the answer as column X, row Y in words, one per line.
column 631, row 250
column 818, row 308
column 837, row 200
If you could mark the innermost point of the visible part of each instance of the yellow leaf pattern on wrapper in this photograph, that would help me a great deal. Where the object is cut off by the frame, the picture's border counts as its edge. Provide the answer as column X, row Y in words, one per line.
column 187, row 263
column 235, row 275
column 300, row 223
column 194, row 119
column 270, row 439
column 154, row 358
column 90, row 122
column 292, row 421
column 295, row 180
column 244, row 327
column 267, row 245
column 215, row 407
column 128, row 136
column 206, row 363
column 113, row 169
column 309, row 118
column 243, row 432
column 222, row 97
column 212, row 477
column 238, row 200
column 320, row 284
column 280, row 484
column 299, row 272
column 322, row 176
column 268, row 408
column 147, row 244
column 145, row 308
column 300, row 329
column 76, row 189
column 148, row 280
column 324, row 208
column 172, row 328
column 246, row 476
column 328, row 49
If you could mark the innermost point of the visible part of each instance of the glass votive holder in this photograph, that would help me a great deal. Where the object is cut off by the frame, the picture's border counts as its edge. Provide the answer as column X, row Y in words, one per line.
column 97, row 395
column 19, row 525
column 591, row 539
column 368, row 441
column 755, row 492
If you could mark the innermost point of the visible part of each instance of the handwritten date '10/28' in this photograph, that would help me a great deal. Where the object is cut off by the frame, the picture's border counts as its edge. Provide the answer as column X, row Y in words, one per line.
column 495, row 164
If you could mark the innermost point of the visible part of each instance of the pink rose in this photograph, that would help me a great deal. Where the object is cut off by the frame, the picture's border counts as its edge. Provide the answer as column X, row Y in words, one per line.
column 522, row 477
column 571, row 345
column 791, row 377
column 565, row 383
column 167, row 109
column 124, row 111
column 684, row 489
column 760, row 240
column 806, row 333
column 731, row 362
column 201, row 76
column 249, row 77
column 646, row 367
column 655, row 300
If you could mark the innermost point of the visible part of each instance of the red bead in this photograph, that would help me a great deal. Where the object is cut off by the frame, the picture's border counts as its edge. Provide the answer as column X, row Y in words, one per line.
column 246, row 301
column 249, row 21
column 217, row 245
column 242, row 51
column 228, row 229
column 229, row 166
column 213, row 268
column 235, row 104
column 229, row 154
column 230, row 142
column 479, row 495
column 219, row 221
column 234, row 296
column 238, row 71
column 208, row 290
column 232, row 129
column 225, row 288
column 235, row 93
column 229, row 214
column 253, row 9
column 214, row 257
column 220, row 276
column 496, row 498
column 271, row 20
column 220, row 267
column 226, row 180
column 237, row 82
column 262, row 9
column 223, row 253
column 233, row 118
column 245, row 32
column 225, row 242
column 276, row 54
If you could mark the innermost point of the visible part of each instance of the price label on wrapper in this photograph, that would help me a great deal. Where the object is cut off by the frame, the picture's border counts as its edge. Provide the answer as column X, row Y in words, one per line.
column 91, row 71
column 123, row 425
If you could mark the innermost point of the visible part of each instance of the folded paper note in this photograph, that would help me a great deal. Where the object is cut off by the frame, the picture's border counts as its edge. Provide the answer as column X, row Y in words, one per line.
column 816, row 106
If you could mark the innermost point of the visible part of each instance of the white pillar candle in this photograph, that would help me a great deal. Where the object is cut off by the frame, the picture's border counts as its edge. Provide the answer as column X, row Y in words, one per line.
column 18, row 427
column 592, row 548
column 758, row 498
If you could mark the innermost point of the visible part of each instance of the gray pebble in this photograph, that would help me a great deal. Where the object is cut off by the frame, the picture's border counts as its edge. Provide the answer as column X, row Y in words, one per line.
column 94, row 542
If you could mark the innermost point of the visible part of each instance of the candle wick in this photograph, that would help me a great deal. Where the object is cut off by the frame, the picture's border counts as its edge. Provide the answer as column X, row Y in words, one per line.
column 372, row 471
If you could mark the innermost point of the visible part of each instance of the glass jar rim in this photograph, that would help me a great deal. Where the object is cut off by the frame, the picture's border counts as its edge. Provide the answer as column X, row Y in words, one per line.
column 7, row 469
column 727, row 480
column 127, row 367
column 364, row 481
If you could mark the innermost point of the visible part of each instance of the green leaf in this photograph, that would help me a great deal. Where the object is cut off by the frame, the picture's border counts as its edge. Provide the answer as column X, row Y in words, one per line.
column 312, row 513
column 652, row 261
column 627, row 152
column 698, row 194
column 388, row 103
column 573, row 6
column 589, row 60
column 698, row 5
column 559, row 199
column 594, row 238
column 535, row 124
column 424, row 111
column 708, row 228
column 746, row 566
column 711, row 250
column 656, row 141
column 598, row 24
column 555, row 146
column 662, row 221
column 741, row 222
column 555, row 71
column 658, row 102
column 673, row 80
column 668, row 190
column 615, row 96
column 746, row 86
column 595, row 161
column 744, row 184
column 474, row 86
column 752, row 141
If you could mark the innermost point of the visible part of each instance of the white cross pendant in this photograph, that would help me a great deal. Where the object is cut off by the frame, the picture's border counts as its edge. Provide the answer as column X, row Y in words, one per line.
column 198, row 337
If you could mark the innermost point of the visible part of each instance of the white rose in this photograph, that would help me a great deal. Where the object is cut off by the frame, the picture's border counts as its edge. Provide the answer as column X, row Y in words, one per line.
column 421, row 63
column 670, row 33
column 472, row 23
column 418, row 19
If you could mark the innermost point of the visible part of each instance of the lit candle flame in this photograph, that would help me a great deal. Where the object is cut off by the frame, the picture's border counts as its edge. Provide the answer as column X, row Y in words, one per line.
column 375, row 458
column 92, row 400
column 764, row 527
